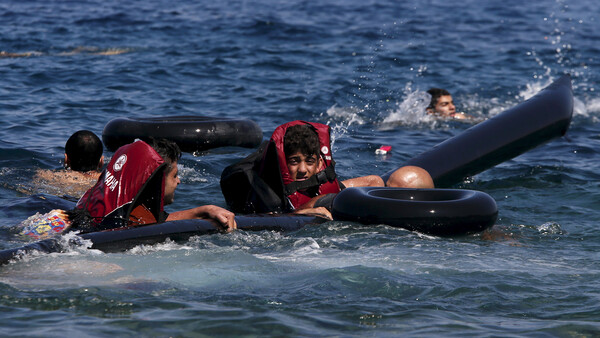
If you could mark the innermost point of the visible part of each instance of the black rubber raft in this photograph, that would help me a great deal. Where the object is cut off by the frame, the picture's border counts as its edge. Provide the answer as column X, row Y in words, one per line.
column 191, row 133
column 442, row 212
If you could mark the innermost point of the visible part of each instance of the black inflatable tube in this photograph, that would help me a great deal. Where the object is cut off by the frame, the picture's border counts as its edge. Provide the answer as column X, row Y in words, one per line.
column 121, row 240
column 439, row 212
column 191, row 133
column 543, row 117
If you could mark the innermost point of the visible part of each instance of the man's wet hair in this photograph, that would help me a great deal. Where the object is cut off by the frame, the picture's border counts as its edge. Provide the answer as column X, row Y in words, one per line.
column 436, row 93
column 301, row 138
column 84, row 150
column 167, row 149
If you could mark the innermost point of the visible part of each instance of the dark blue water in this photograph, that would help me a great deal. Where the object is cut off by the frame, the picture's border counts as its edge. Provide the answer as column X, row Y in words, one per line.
column 363, row 68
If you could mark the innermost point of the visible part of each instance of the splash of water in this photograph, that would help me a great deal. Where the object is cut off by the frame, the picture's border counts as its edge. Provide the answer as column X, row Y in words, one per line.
column 341, row 118
column 412, row 110
column 190, row 175
column 531, row 89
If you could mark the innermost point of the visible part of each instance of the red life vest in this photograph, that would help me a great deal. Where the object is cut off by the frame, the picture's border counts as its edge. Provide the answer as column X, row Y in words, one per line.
column 130, row 182
column 298, row 198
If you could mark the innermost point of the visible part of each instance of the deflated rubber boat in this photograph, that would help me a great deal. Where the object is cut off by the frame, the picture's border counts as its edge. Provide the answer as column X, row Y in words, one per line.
column 440, row 212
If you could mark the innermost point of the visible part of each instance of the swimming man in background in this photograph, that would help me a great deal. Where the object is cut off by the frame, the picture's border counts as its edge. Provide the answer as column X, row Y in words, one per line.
column 442, row 105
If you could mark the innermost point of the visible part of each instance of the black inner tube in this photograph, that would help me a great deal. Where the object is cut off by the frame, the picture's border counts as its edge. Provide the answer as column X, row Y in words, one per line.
column 440, row 212
column 191, row 133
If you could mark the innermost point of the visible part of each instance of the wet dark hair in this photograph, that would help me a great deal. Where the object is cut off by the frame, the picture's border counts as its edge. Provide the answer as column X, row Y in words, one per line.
column 167, row 149
column 84, row 150
column 435, row 96
column 301, row 138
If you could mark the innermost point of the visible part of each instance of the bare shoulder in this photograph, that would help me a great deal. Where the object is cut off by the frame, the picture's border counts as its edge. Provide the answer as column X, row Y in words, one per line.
column 66, row 176
column 65, row 181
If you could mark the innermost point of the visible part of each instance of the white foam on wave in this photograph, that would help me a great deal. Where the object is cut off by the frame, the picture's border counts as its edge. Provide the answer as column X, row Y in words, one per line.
column 580, row 108
column 77, row 266
column 167, row 245
column 495, row 107
column 349, row 115
column 169, row 263
column 593, row 106
column 301, row 249
column 533, row 88
column 190, row 175
column 412, row 110
column 341, row 118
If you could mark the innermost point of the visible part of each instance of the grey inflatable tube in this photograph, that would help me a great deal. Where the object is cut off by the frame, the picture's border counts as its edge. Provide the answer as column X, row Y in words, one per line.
column 191, row 133
column 543, row 117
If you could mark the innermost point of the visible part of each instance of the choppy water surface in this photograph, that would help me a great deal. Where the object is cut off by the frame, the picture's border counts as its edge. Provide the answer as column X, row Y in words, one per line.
column 361, row 66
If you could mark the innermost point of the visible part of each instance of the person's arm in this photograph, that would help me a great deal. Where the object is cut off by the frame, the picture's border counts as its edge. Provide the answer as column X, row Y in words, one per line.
column 364, row 181
column 222, row 216
column 461, row 116
column 309, row 208
column 313, row 206
column 319, row 211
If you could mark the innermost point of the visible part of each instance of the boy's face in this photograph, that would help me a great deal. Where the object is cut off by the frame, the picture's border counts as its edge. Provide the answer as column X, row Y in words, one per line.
column 302, row 167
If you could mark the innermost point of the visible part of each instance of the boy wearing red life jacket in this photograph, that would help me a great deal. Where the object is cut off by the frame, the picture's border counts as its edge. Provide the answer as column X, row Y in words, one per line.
column 304, row 154
column 133, row 189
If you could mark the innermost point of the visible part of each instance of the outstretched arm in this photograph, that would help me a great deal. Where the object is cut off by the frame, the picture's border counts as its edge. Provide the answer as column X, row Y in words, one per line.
column 319, row 212
column 309, row 208
column 364, row 181
column 223, row 217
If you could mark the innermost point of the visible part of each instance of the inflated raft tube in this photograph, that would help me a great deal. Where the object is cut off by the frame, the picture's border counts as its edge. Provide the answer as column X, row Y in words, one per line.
column 179, row 231
column 439, row 212
column 543, row 117
column 191, row 133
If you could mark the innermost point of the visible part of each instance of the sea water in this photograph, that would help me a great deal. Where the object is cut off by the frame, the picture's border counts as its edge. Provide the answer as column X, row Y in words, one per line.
column 362, row 67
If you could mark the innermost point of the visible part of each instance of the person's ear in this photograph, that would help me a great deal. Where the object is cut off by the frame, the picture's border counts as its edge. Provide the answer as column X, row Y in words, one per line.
column 430, row 111
column 101, row 162
column 321, row 163
column 67, row 164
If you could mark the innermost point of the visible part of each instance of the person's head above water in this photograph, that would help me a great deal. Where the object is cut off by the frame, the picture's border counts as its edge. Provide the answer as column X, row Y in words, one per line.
column 170, row 153
column 441, row 102
column 83, row 151
column 168, row 150
column 301, row 146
